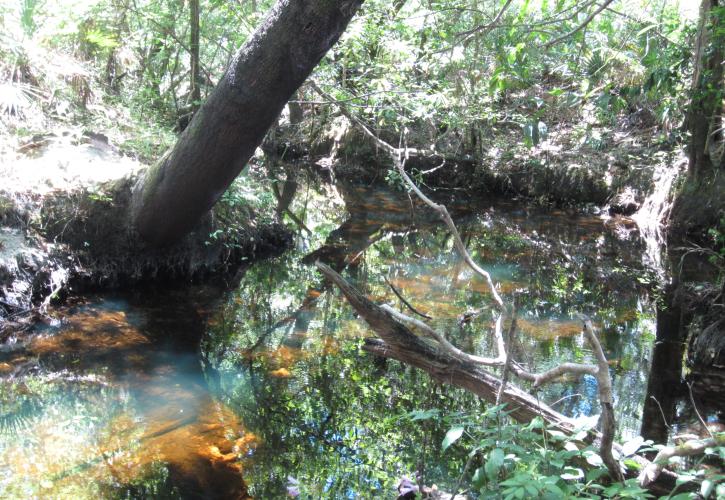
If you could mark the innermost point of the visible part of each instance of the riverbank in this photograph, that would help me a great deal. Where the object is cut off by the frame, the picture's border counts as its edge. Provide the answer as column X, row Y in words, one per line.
column 64, row 213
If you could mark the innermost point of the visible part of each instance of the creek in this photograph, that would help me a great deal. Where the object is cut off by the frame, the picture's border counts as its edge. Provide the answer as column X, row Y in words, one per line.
column 204, row 391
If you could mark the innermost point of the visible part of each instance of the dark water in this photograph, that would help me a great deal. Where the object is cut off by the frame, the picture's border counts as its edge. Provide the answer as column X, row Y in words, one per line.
column 204, row 393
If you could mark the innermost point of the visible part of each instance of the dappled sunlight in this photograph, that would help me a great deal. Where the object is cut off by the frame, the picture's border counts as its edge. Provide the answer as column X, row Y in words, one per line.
column 548, row 329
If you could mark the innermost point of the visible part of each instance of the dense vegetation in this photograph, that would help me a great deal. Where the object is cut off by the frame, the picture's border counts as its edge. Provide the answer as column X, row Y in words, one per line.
column 556, row 102
column 448, row 72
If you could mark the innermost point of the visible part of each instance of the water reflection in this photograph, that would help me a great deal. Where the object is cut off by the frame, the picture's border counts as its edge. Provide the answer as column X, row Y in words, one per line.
column 118, row 399
column 287, row 346
column 115, row 404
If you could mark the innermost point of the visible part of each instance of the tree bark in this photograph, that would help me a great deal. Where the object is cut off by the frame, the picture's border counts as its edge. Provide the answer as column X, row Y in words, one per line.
column 699, row 202
column 175, row 193
column 704, row 118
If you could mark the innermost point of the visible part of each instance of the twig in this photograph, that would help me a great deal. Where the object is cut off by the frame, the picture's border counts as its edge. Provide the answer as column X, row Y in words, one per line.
column 580, row 27
column 539, row 379
column 402, row 299
column 694, row 447
column 469, row 462
column 486, row 28
column 697, row 412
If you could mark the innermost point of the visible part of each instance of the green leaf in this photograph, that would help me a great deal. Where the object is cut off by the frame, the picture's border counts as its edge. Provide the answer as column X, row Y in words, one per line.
column 645, row 30
column 101, row 39
column 706, row 488
column 423, row 414
column 452, row 436
column 479, row 478
column 536, row 423
column 532, row 490
column 494, row 463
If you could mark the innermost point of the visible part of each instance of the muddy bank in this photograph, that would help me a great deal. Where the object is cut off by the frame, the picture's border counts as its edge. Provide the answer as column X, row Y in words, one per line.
column 613, row 166
column 64, row 216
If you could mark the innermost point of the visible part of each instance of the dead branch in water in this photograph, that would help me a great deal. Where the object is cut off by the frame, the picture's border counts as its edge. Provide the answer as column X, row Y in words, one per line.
column 381, row 319
column 448, row 366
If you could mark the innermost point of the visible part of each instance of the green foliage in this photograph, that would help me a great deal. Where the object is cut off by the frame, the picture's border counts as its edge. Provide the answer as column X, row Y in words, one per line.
column 516, row 461
column 717, row 236
column 245, row 204
column 528, row 461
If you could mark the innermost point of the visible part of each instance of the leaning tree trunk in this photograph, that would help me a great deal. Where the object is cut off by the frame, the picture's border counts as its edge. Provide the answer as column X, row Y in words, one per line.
column 185, row 184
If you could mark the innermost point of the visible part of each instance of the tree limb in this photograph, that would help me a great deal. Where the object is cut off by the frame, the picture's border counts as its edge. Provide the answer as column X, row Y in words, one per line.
column 486, row 28
column 690, row 448
column 443, row 343
column 583, row 25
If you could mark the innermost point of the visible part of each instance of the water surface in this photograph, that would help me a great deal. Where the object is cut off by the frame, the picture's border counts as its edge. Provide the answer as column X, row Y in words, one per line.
column 206, row 393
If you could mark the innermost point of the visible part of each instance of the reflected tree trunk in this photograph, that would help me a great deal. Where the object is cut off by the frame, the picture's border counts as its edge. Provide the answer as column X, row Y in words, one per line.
column 665, row 384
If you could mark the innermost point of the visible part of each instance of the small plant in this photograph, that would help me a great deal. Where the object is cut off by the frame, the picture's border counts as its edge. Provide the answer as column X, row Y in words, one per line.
column 512, row 461
column 717, row 235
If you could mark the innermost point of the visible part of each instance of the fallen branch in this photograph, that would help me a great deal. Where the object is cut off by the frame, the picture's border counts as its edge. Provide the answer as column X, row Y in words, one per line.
column 405, row 302
column 688, row 449
column 398, row 342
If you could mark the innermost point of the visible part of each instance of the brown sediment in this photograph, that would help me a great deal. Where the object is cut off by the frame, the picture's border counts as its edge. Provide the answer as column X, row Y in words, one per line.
column 549, row 329
column 172, row 420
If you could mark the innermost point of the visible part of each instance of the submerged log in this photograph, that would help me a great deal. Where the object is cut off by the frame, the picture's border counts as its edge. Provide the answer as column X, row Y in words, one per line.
column 398, row 342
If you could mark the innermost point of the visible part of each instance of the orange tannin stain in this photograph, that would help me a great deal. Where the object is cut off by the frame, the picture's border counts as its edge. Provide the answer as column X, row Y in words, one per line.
column 92, row 332
column 281, row 356
column 549, row 329
column 281, row 373
column 330, row 346
column 171, row 419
